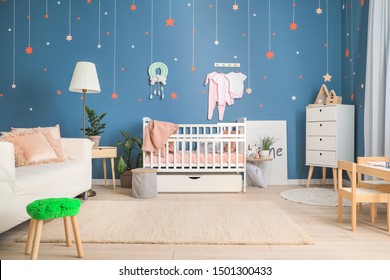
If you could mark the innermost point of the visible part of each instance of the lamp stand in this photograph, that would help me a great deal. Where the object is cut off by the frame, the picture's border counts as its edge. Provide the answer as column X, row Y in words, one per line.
column 90, row 192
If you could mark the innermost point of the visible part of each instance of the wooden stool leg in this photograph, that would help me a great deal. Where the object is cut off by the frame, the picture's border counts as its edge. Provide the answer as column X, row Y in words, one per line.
column 105, row 172
column 340, row 208
column 353, row 214
column 335, row 179
column 68, row 237
column 30, row 237
column 80, row 251
column 309, row 176
column 37, row 240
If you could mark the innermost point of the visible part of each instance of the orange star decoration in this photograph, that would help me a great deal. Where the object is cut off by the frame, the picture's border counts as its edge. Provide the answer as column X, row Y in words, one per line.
column 133, row 7
column 193, row 68
column 362, row 3
column 319, row 11
column 352, row 96
column 46, row 16
column 114, row 95
column 293, row 26
column 59, row 92
column 235, row 7
column 346, row 53
column 327, row 77
column 248, row 90
column 270, row 55
column 169, row 22
column 173, row 95
column 29, row 50
column 89, row 1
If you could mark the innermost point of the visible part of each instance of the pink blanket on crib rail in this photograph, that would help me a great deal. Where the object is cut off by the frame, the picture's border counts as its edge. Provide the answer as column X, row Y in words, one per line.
column 156, row 134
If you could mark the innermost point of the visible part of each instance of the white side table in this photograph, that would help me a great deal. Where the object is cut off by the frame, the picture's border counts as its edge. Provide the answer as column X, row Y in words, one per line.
column 104, row 152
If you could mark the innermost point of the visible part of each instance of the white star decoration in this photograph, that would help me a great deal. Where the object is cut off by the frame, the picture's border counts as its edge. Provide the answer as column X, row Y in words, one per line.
column 99, row 46
column 235, row 7
column 216, row 42
column 293, row 98
column 13, row 86
column 69, row 38
column 319, row 11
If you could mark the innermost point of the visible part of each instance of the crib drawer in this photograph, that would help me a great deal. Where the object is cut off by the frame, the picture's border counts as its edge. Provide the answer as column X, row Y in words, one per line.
column 199, row 182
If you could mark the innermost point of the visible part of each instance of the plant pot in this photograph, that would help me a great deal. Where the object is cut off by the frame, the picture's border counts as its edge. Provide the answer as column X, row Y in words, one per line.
column 264, row 154
column 95, row 140
column 126, row 179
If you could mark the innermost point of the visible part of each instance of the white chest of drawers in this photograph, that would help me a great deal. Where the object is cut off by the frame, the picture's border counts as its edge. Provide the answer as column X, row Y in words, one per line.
column 330, row 137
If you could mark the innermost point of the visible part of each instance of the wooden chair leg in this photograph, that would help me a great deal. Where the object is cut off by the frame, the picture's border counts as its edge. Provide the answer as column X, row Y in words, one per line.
column 334, row 179
column 353, row 215
column 373, row 212
column 340, row 208
column 323, row 175
column 360, row 207
column 30, row 237
column 68, row 237
column 37, row 240
column 80, row 251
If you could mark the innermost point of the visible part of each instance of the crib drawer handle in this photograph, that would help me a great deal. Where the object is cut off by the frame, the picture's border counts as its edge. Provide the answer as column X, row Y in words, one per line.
column 194, row 177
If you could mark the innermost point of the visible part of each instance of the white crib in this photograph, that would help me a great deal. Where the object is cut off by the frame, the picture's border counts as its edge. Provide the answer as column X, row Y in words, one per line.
column 202, row 158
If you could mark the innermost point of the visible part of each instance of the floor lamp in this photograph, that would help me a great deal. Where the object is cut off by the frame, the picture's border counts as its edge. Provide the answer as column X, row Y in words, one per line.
column 85, row 80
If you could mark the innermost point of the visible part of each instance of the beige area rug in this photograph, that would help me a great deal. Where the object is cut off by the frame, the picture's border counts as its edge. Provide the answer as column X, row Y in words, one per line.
column 181, row 222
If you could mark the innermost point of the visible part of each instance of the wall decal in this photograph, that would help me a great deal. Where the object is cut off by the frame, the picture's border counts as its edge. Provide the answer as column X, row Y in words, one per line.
column 347, row 32
column 14, row 46
column 69, row 36
column 351, row 32
column 160, row 80
column 293, row 24
column 327, row 76
column 99, row 45
column 170, row 21
column 319, row 10
column 249, row 89
column 270, row 54
column 235, row 6
column 29, row 49
column 133, row 7
column 114, row 95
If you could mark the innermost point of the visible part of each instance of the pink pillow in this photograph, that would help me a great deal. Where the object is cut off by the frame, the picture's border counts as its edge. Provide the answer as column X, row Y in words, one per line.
column 53, row 136
column 30, row 148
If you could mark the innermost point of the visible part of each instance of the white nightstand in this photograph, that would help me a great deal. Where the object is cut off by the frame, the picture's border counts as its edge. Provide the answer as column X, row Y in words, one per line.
column 103, row 153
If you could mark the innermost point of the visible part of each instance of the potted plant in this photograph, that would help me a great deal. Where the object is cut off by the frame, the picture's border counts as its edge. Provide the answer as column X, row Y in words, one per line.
column 124, row 161
column 265, row 145
column 96, row 127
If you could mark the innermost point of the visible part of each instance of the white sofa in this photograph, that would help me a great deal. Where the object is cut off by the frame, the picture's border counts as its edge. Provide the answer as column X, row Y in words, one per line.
column 21, row 185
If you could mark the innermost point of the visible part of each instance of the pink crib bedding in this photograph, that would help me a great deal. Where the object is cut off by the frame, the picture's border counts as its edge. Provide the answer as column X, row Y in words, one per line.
column 204, row 160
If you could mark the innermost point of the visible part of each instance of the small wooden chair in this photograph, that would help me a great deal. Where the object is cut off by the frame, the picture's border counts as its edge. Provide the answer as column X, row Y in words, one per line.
column 47, row 209
column 358, row 195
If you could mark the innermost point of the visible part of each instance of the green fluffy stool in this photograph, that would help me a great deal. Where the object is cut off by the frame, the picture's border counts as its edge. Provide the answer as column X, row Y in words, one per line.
column 51, row 208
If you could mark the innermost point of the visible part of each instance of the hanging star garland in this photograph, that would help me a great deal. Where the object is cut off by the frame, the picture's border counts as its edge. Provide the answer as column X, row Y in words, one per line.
column 249, row 89
column 14, row 46
column 170, row 21
column 133, row 7
column 347, row 33
column 235, row 6
column 114, row 95
column 327, row 76
column 293, row 24
column 216, row 41
column 29, row 49
column 352, row 49
column 46, row 15
column 319, row 10
column 69, row 36
column 193, row 68
column 99, row 45
column 270, row 54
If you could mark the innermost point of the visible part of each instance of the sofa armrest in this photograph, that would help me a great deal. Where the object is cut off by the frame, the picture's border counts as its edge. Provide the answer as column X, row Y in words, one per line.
column 77, row 148
column 7, row 162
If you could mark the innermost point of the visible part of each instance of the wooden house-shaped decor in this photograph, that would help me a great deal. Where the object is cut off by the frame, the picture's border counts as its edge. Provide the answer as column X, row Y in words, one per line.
column 333, row 98
column 322, row 95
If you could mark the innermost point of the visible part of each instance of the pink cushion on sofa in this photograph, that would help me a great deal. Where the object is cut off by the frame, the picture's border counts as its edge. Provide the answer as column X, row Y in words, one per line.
column 36, row 149
column 53, row 136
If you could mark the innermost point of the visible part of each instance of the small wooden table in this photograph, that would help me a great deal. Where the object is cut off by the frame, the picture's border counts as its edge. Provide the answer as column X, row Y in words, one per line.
column 104, row 152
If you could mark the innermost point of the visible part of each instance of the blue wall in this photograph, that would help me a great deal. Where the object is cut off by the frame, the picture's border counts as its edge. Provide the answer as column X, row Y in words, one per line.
column 41, row 97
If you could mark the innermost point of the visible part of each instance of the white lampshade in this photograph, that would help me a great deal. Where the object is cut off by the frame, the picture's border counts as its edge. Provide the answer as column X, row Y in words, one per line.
column 85, row 78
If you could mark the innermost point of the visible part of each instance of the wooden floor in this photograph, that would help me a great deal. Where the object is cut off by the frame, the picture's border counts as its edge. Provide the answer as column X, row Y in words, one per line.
column 333, row 241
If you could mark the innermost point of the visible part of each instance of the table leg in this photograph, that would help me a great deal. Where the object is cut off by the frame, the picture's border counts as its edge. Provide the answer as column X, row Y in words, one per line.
column 309, row 176
column 105, row 172
column 113, row 172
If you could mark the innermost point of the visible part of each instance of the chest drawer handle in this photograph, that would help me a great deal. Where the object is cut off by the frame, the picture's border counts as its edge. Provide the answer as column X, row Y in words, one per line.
column 320, row 154
column 320, row 110
column 320, row 139
column 321, row 124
